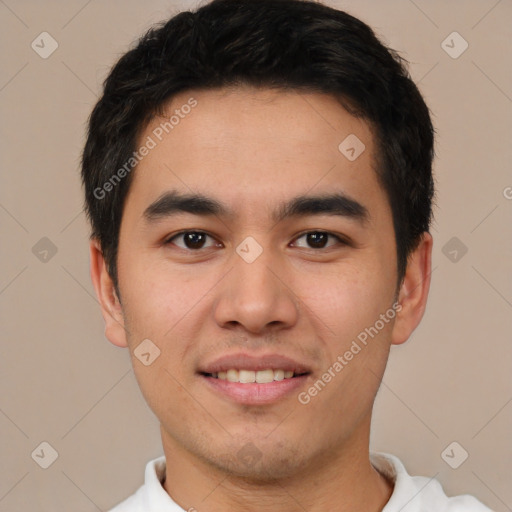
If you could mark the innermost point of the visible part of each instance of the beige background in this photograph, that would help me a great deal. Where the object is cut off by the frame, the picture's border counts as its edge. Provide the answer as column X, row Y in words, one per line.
column 63, row 383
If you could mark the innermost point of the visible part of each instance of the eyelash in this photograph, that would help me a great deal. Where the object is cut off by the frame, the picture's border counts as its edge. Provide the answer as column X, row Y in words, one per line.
column 340, row 240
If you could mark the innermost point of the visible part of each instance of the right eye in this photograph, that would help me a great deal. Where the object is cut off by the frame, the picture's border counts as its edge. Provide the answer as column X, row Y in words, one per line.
column 192, row 240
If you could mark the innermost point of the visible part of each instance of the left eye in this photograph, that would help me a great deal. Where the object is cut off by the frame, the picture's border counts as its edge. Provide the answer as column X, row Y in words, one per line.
column 318, row 239
column 194, row 240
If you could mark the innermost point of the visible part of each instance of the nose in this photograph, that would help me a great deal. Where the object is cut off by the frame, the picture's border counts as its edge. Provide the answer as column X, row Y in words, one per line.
column 257, row 296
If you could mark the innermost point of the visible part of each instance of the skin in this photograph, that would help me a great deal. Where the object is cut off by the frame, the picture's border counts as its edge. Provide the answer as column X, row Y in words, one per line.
column 252, row 149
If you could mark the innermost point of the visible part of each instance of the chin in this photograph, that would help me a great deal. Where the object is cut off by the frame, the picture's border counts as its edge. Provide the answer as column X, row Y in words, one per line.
column 259, row 467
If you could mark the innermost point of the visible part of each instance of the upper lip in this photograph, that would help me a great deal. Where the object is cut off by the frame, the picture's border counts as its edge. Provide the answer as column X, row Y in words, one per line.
column 244, row 361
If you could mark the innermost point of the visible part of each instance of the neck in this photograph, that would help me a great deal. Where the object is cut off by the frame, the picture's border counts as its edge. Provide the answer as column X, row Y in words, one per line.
column 344, row 481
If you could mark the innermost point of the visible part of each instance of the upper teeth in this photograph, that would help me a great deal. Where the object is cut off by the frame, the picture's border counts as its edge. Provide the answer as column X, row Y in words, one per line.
column 248, row 376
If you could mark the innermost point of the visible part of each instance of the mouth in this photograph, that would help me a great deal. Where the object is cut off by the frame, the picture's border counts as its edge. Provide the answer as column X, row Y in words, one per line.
column 250, row 380
column 252, row 376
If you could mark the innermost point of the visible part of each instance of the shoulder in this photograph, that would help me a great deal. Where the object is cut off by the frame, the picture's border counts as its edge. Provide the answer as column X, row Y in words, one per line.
column 420, row 493
column 151, row 495
column 131, row 504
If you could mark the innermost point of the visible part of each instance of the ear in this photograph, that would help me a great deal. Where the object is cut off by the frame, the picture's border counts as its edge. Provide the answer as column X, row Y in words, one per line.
column 110, row 306
column 413, row 291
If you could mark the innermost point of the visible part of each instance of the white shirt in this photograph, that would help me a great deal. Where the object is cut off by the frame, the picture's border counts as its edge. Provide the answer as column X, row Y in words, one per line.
column 410, row 493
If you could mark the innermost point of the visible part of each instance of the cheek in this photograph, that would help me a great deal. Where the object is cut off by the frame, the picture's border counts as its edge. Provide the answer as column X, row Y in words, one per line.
column 157, row 300
column 347, row 308
column 156, row 305
column 346, row 301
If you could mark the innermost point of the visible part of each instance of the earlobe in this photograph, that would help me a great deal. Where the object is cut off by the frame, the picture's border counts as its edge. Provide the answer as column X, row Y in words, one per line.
column 413, row 291
column 111, row 308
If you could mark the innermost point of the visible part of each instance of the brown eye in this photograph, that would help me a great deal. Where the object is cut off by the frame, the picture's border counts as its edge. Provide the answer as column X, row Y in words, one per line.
column 318, row 239
column 192, row 240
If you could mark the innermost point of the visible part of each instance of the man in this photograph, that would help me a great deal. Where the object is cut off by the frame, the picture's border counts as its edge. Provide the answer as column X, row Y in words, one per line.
column 258, row 179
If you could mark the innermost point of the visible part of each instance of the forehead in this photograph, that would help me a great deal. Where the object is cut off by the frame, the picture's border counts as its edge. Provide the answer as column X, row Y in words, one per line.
column 248, row 145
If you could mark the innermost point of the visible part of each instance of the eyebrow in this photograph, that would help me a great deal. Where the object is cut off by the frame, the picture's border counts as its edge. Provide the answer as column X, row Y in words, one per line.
column 338, row 204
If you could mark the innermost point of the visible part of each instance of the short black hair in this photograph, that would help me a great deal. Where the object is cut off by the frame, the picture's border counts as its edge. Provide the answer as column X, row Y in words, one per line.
column 280, row 44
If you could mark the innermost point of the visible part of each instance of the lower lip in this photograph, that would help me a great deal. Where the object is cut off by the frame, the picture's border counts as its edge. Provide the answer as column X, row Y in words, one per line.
column 254, row 393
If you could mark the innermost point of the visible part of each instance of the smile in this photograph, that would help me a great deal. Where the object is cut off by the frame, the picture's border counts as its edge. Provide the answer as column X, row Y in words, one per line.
column 250, row 376
column 244, row 389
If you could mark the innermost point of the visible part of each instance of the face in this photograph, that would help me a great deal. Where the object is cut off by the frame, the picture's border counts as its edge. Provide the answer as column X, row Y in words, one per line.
column 238, row 281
